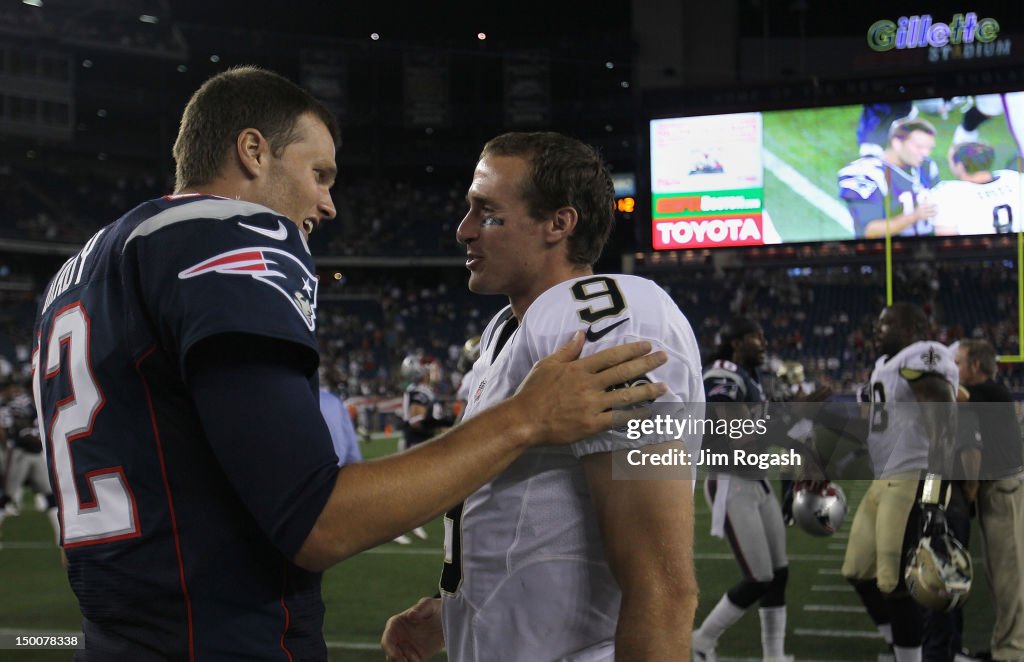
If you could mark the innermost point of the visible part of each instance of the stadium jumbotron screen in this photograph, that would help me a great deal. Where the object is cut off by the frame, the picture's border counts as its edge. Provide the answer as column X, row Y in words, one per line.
column 836, row 173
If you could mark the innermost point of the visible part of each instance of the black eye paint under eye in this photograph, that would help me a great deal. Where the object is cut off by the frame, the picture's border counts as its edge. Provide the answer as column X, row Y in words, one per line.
column 491, row 221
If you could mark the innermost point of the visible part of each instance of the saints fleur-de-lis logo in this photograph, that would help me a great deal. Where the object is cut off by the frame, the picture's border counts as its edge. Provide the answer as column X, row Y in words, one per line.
column 931, row 358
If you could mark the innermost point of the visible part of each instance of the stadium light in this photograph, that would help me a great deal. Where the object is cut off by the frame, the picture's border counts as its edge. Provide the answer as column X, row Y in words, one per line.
column 146, row 18
column 375, row 36
column 33, row 3
column 482, row 36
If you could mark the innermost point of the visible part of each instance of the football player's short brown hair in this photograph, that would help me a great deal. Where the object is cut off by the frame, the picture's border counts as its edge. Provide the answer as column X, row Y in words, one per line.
column 564, row 172
column 234, row 100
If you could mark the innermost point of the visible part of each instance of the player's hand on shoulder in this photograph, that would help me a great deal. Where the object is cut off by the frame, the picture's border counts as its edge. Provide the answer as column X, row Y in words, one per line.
column 568, row 398
column 415, row 634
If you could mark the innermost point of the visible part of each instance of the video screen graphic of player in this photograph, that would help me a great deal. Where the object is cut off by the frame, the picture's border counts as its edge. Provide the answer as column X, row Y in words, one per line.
column 889, row 193
column 981, row 200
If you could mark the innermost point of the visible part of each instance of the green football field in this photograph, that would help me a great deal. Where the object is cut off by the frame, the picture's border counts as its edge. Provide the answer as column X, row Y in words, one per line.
column 815, row 143
column 825, row 620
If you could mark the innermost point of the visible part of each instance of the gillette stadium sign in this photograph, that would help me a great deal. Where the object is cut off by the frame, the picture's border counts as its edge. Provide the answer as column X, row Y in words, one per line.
column 965, row 36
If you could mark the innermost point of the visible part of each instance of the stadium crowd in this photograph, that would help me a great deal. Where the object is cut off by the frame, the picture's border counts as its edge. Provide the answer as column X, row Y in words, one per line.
column 819, row 317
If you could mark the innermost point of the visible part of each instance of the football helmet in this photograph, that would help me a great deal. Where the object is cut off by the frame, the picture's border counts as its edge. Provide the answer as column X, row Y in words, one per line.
column 470, row 353
column 819, row 508
column 791, row 372
column 939, row 571
column 417, row 366
column 22, row 407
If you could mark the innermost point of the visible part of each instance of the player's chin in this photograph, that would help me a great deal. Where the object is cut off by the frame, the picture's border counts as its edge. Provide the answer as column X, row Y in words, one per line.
column 479, row 284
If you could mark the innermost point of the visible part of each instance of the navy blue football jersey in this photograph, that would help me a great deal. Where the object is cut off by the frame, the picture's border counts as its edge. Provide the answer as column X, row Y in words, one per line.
column 176, row 546
column 423, row 395
column 873, row 188
column 726, row 382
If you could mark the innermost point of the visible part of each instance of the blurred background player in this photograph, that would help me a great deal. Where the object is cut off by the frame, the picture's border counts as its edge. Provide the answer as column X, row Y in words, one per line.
column 467, row 359
column 744, row 508
column 890, row 186
column 980, row 200
column 791, row 386
column 999, row 495
column 26, row 463
column 423, row 416
column 911, row 369
column 942, row 636
column 6, row 387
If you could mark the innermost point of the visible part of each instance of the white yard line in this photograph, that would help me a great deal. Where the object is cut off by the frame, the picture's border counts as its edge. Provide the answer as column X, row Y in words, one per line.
column 841, row 609
column 27, row 545
column 806, row 189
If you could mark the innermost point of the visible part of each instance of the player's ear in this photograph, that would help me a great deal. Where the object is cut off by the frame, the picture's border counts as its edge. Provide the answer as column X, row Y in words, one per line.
column 562, row 224
column 251, row 148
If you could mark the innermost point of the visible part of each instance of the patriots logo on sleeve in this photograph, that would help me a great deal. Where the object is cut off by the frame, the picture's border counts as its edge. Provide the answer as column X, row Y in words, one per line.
column 725, row 388
column 862, row 178
column 269, row 266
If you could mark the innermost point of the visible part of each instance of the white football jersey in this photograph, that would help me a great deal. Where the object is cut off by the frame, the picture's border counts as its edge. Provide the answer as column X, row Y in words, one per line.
column 525, row 576
column 897, row 441
column 969, row 208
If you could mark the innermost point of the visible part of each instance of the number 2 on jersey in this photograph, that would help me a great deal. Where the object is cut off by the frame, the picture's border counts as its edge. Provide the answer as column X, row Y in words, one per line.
column 110, row 514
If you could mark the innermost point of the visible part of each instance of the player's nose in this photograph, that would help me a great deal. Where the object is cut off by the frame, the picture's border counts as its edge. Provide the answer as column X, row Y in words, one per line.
column 467, row 230
column 326, row 208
